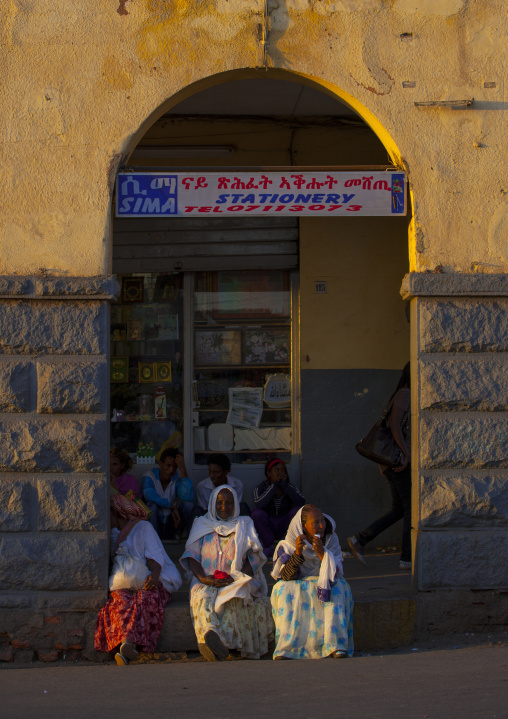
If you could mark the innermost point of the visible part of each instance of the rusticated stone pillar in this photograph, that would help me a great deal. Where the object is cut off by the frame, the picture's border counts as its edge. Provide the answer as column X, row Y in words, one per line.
column 460, row 481
column 53, row 463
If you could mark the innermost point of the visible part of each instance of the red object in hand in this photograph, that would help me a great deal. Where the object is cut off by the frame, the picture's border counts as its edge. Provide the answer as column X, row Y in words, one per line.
column 220, row 575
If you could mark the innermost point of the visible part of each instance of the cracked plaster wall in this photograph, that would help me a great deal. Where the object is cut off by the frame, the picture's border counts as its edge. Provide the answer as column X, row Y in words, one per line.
column 82, row 84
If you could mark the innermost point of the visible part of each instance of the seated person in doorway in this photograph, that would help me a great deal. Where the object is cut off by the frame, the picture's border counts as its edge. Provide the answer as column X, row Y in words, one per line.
column 219, row 467
column 142, row 580
column 311, row 603
column 277, row 501
column 224, row 560
column 121, row 480
column 170, row 497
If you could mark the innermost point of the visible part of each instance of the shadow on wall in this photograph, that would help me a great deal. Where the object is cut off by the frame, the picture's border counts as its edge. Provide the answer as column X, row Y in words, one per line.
column 338, row 409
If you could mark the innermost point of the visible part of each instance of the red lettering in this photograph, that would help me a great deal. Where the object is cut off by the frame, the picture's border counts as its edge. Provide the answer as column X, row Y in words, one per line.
column 249, row 208
column 279, row 208
column 333, row 207
column 381, row 185
column 238, row 184
column 268, row 207
column 234, row 208
column 217, row 209
column 317, row 207
column 296, row 208
column 250, row 185
column 264, row 182
column 284, row 184
column 186, row 181
column 366, row 182
column 330, row 182
column 298, row 181
column 223, row 183
column 354, row 208
column 201, row 183
column 314, row 184
column 205, row 209
column 350, row 183
column 190, row 209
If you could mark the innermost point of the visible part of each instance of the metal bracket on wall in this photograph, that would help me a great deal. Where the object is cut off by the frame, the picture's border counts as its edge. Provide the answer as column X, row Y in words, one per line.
column 445, row 103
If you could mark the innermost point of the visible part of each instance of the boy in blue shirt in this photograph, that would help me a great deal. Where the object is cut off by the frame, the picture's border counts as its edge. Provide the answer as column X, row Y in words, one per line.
column 169, row 495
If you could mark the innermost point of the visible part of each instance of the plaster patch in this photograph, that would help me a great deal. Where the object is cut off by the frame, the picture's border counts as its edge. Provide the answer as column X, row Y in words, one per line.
column 430, row 7
column 498, row 230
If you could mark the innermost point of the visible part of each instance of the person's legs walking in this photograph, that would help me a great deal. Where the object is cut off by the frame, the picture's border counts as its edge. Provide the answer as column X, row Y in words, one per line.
column 400, row 489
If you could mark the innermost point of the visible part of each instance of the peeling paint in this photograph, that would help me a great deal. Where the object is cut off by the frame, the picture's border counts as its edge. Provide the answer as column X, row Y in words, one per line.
column 122, row 10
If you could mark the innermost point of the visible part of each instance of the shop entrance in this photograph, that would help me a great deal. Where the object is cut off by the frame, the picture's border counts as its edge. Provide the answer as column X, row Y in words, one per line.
column 213, row 311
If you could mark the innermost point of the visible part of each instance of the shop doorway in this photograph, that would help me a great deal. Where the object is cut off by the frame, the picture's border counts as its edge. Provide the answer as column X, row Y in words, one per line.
column 201, row 296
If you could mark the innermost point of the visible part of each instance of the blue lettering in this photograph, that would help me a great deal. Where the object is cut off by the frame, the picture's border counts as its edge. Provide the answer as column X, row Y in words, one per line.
column 263, row 198
column 251, row 199
column 303, row 198
column 222, row 199
column 347, row 197
column 286, row 198
column 318, row 198
column 332, row 199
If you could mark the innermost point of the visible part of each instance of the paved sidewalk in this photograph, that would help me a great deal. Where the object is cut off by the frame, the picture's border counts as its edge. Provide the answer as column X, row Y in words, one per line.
column 469, row 683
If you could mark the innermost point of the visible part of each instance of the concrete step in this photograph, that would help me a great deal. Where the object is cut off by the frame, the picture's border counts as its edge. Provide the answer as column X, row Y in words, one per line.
column 384, row 613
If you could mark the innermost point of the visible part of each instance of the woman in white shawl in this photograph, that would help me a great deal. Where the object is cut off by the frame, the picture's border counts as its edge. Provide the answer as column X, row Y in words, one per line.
column 312, row 603
column 229, row 602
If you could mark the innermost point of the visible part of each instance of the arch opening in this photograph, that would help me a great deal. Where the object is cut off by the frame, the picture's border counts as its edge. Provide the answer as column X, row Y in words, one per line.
column 336, row 318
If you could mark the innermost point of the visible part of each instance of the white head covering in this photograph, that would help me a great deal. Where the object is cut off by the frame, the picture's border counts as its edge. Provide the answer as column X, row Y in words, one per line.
column 211, row 522
column 326, row 571
column 246, row 539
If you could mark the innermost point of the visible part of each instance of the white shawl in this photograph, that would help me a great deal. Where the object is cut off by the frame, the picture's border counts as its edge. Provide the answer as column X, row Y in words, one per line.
column 245, row 539
column 326, row 570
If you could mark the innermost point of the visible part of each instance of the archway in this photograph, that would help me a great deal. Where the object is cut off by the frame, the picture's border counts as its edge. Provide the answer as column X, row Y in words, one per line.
column 348, row 342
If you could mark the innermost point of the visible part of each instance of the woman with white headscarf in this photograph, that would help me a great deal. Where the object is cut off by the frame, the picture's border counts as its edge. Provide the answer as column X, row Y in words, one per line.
column 229, row 602
column 312, row 603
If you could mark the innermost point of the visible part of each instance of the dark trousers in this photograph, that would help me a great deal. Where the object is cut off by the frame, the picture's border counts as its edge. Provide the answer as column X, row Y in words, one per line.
column 271, row 529
column 400, row 488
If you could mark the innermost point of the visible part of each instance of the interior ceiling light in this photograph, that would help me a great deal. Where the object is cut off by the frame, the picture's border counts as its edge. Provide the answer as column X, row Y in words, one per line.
column 178, row 151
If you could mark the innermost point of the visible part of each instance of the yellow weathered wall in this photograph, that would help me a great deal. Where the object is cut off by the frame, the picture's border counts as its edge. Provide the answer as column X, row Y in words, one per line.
column 80, row 85
column 360, row 323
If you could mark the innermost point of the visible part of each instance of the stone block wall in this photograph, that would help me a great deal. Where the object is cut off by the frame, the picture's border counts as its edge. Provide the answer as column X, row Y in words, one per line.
column 53, row 464
column 460, row 406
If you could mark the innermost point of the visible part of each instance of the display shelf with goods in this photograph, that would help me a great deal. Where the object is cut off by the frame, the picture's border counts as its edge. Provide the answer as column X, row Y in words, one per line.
column 242, row 340
column 147, row 354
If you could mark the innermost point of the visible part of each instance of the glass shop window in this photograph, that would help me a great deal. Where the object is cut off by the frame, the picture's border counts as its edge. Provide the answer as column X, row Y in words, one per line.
column 147, row 355
column 242, row 365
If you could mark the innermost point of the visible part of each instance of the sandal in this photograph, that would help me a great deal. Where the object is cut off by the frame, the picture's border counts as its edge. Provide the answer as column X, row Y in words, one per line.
column 128, row 651
column 339, row 654
column 214, row 642
column 121, row 660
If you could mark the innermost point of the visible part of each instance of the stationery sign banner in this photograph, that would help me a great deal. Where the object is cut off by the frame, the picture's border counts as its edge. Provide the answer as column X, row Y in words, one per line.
column 315, row 194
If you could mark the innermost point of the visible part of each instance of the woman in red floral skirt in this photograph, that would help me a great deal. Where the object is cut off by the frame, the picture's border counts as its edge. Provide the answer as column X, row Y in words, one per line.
column 141, row 583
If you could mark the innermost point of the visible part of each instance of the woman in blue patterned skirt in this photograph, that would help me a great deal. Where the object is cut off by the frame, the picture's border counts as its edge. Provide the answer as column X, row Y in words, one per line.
column 312, row 604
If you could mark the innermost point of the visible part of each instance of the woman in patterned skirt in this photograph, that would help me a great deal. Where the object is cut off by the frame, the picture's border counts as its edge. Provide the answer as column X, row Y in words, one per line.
column 312, row 603
column 229, row 602
column 132, row 618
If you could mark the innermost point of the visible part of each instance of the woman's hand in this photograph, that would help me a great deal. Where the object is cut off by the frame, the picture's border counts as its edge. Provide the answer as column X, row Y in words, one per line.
column 151, row 582
column 210, row 581
column 300, row 544
column 403, row 466
column 317, row 546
